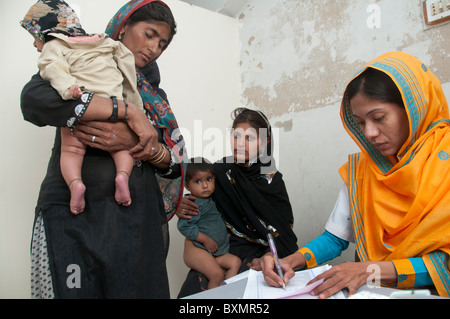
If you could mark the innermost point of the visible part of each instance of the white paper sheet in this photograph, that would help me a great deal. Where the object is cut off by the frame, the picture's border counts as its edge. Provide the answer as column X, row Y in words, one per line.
column 238, row 277
column 296, row 288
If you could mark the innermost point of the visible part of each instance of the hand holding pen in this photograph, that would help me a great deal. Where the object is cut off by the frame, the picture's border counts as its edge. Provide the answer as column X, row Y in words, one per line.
column 275, row 257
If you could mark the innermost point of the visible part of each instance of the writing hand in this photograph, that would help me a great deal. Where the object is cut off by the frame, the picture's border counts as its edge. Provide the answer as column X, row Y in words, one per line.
column 271, row 276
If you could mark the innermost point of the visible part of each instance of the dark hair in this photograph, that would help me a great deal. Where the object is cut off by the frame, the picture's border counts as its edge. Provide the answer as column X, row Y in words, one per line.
column 255, row 118
column 155, row 11
column 197, row 164
column 258, row 121
column 377, row 85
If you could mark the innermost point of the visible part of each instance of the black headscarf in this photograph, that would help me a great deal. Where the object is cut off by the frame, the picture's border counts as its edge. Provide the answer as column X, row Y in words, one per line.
column 254, row 202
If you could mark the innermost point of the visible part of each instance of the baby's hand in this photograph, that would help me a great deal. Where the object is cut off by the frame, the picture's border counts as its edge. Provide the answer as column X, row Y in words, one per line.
column 211, row 245
column 75, row 91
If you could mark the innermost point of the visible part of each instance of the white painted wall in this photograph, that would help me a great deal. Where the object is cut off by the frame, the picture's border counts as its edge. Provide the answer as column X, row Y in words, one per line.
column 200, row 74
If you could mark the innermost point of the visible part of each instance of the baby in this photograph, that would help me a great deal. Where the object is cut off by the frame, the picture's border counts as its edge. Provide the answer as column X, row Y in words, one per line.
column 73, row 62
column 207, row 242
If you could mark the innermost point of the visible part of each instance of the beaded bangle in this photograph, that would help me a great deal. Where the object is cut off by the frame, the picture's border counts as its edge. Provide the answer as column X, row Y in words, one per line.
column 80, row 109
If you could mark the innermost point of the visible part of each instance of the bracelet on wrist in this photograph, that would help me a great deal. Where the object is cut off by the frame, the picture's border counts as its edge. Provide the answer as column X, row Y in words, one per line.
column 115, row 112
column 80, row 109
column 159, row 156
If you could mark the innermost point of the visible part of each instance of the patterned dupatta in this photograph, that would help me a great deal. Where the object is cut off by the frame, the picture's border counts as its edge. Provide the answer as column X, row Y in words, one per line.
column 400, row 205
column 159, row 111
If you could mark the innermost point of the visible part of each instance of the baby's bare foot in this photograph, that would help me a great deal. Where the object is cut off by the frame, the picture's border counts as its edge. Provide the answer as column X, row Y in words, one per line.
column 122, row 195
column 77, row 190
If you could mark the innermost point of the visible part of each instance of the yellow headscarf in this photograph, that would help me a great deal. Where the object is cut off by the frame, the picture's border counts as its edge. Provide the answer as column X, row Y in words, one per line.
column 401, row 204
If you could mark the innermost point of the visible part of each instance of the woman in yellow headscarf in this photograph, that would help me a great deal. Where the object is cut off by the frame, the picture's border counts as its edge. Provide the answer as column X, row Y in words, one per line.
column 395, row 205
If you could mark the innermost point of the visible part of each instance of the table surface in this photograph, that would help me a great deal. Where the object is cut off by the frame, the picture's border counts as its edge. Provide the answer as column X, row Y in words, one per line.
column 236, row 290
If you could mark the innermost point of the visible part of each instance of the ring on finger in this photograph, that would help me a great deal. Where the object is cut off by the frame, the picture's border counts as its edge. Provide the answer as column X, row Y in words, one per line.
column 93, row 139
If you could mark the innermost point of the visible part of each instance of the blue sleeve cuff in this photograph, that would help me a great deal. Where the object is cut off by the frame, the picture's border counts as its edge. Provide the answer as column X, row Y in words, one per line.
column 422, row 277
column 327, row 247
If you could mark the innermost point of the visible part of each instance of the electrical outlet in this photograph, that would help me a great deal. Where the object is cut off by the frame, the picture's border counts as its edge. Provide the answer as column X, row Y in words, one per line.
column 436, row 11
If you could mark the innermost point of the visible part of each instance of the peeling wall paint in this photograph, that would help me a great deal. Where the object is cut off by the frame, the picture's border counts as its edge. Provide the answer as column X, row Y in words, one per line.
column 299, row 55
column 296, row 57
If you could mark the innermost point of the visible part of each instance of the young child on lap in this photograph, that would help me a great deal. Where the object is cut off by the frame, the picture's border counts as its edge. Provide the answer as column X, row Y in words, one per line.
column 207, row 241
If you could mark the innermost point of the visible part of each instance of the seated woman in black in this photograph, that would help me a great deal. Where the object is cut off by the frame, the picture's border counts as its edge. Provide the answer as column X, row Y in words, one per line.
column 251, row 195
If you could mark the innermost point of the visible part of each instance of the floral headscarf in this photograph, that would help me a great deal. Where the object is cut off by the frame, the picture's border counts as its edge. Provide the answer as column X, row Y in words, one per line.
column 47, row 16
column 120, row 18
column 160, row 112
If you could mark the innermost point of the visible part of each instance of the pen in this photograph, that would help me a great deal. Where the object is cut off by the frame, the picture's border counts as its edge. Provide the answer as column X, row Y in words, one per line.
column 275, row 257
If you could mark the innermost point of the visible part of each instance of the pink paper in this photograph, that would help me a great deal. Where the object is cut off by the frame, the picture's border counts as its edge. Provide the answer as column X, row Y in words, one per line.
column 303, row 290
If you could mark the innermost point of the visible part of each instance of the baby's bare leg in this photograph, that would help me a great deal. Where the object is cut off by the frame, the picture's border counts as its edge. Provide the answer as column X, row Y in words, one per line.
column 230, row 263
column 124, row 165
column 203, row 262
column 72, row 154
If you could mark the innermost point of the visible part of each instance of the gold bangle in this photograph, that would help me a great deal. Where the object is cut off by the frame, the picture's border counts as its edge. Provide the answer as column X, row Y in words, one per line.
column 156, row 154
column 161, row 158
column 158, row 158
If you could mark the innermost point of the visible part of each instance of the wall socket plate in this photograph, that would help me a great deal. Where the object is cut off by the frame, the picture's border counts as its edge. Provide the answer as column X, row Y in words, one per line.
column 436, row 11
